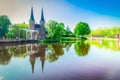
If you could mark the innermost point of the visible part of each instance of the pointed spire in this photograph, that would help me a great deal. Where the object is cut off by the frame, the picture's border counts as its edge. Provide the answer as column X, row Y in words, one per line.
column 33, row 67
column 42, row 16
column 32, row 14
column 42, row 58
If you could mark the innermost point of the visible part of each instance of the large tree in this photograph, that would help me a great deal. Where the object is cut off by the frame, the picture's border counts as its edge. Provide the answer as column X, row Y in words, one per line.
column 54, row 30
column 4, row 24
column 82, row 29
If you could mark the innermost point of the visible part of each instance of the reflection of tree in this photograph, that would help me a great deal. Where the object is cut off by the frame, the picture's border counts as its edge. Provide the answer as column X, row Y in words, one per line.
column 6, row 52
column 113, row 45
column 54, row 51
column 81, row 49
column 17, row 50
column 67, row 46
column 4, row 56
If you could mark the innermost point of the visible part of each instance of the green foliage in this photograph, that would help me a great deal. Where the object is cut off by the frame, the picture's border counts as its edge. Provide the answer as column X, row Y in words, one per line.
column 4, row 24
column 54, row 30
column 110, row 32
column 82, row 29
column 15, row 30
column 67, row 32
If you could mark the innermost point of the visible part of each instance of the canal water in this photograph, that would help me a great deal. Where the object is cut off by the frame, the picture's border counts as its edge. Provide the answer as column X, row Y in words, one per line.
column 60, row 61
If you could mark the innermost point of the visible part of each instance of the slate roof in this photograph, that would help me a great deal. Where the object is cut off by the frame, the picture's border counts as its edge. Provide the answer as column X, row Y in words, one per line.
column 37, row 25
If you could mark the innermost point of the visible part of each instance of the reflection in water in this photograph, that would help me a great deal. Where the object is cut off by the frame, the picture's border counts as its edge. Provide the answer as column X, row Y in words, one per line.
column 67, row 46
column 4, row 56
column 81, row 49
column 52, row 52
column 113, row 45
column 40, row 53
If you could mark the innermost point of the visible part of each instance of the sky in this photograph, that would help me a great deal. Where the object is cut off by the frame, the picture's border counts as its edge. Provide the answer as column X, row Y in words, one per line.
column 97, row 13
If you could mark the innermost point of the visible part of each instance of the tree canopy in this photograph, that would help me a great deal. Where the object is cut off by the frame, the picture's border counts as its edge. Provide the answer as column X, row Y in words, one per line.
column 4, row 24
column 82, row 29
column 54, row 30
column 108, row 31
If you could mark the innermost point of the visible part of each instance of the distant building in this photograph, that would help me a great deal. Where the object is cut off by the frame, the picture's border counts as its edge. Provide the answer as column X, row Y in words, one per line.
column 40, row 27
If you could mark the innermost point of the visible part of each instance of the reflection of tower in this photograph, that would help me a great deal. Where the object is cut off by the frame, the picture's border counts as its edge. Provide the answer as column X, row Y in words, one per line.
column 42, row 58
column 32, row 61
column 42, row 54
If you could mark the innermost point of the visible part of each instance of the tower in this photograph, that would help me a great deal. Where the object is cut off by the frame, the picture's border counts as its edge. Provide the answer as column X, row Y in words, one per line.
column 32, row 20
column 42, row 20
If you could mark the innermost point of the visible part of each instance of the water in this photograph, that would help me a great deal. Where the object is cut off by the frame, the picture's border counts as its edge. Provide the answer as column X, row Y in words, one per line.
column 60, row 61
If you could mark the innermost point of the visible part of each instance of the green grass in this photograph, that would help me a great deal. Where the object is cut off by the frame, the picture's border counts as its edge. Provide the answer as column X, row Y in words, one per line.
column 66, row 39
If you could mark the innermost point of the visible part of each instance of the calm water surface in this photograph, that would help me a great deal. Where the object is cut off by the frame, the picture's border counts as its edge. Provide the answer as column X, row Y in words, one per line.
column 60, row 61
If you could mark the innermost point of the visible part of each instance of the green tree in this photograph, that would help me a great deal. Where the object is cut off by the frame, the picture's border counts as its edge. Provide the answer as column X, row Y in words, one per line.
column 54, row 30
column 108, row 31
column 82, row 29
column 4, row 24
column 67, row 32
column 16, row 30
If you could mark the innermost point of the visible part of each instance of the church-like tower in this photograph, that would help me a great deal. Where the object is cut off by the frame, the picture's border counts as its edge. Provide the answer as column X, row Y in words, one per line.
column 32, row 20
column 42, row 20
column 39, row 29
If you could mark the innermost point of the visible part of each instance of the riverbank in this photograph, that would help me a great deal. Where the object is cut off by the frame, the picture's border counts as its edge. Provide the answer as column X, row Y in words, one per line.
column 7, row 42
column 65, row 39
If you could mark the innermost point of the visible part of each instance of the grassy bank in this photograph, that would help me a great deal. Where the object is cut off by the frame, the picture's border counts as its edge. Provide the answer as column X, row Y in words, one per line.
column 66, row 39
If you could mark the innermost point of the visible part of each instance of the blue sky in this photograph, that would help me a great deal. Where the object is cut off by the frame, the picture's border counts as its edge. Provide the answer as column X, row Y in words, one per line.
column 106, row 7
column 97, row 13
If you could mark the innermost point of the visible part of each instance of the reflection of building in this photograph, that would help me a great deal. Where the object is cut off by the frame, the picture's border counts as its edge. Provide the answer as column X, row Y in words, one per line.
column 40, row 53
column 32, row 61
column 40, row 27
